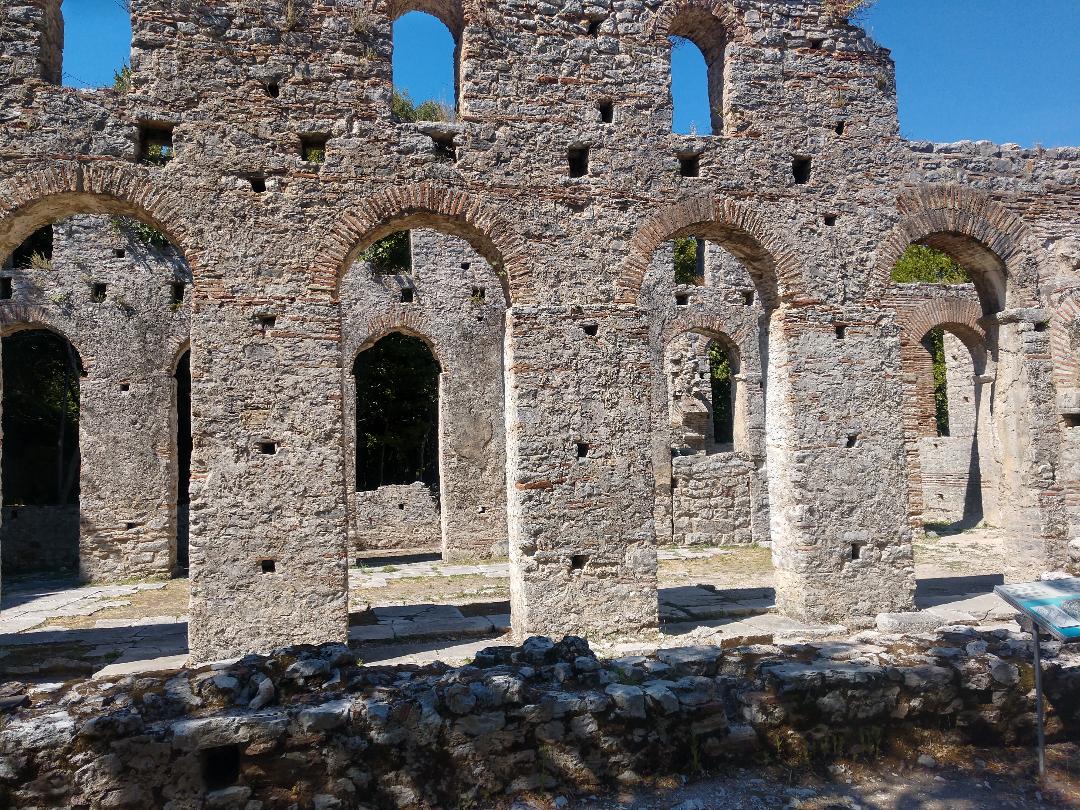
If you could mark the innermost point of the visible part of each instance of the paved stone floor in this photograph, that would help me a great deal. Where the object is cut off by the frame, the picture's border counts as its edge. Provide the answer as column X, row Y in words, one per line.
column 413, row 608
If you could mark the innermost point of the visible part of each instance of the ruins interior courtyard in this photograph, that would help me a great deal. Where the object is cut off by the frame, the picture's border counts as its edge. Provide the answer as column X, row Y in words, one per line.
column 287, row 369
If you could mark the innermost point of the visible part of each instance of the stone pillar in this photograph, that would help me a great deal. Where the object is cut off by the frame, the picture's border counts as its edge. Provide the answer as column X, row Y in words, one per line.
column 267, row 553
column 579, row 475
column 127, row 516
column 1026, row 444
column 837, row 477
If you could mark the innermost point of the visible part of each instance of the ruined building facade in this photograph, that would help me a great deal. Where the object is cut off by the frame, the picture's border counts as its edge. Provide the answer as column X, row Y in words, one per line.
column 574, row 427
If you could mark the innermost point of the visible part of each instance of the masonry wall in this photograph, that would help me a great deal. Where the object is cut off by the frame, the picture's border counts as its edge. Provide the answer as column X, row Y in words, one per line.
column 240, row 86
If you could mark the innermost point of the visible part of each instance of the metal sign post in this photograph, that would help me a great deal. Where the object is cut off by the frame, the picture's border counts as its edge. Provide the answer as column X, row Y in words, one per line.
column 1053, row 606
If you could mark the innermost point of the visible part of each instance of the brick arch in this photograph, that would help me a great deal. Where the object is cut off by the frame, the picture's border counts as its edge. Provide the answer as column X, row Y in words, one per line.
column 738, row 228
column 722, row 11
column 710, row 325
column 981, row 234
column 454, row 14
column 33, row 199
column 27, row 317
column 960, row 316
column 402, row 321
column 426, row 205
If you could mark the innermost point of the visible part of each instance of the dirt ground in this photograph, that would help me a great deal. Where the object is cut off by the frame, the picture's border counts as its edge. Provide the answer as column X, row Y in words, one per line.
column 993, row 780
column 974, row 552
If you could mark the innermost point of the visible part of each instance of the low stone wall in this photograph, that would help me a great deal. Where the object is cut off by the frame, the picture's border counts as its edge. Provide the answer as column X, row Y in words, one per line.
column 396, row 518
column 308, row 727
column 711, row 500
column 40, row 539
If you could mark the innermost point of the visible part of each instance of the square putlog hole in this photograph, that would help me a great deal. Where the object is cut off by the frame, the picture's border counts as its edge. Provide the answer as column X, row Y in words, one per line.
column 267, row 448
column 6, row 288
column 220, row 766
column 690, row 165
column 578, row 159
column 801, row 169
column 156, row 144
column 578, row 562
column 268, row 566
column 98, row 291
column 313, row 148
column 582, row 450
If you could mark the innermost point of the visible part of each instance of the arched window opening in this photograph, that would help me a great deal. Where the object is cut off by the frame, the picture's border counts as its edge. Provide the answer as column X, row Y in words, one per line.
column 397, row 414
column 702, row 386
column 40, row 462
column 425, row 69
column 36, row 252
column 183, row 457
column 95, row 40
column 698, row 43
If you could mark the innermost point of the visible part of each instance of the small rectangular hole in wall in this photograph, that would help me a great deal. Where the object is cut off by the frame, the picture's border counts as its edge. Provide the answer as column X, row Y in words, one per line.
column 592, row 26
column 690, row 165
column 578, row 160
column 268, row 448
column 607, row 111
column 401, row 506
column 273, row 89
column 268, row 566
column 1042, row 327
column 119, row 253
column 267, row 322
column 125, row 386
column 748, row 298
column 853, row 440
column 840, row 127
column 1072, row 420
column 97, row 292
column 801, row 168
column 258, row 184
column 682, row 299
column 841, row 332
column 816, row 43
column 313, row 148
column 856, row 551
column 578, row 562
column 155, row 144
column 582, row 450
column 590, row 329
column 176, row 293
column 221, row 765
column 444, row 147
column 466, row 265
column 478, row 294
column 131, row 526
column 6, row 289
column 407, row 295
column 830, row 220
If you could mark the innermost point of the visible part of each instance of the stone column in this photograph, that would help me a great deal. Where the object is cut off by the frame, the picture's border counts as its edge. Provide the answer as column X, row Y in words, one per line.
column 1026, row 444
column 579, row 475
column 837, row 478
column 127, row 517
column 267, row 553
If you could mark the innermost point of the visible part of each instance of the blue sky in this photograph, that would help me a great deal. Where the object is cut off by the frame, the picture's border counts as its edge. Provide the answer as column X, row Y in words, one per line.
column 966, row 69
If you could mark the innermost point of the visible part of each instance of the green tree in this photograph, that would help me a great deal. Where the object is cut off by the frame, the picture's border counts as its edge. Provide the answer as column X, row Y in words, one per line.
column 721, row 379
column 928, row 266
column 397, row 413
column 686, row 260
column 935, row 344
column 390, row 255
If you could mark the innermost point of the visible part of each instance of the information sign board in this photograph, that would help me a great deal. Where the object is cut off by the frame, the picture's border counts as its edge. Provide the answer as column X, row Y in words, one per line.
column 1053, row 604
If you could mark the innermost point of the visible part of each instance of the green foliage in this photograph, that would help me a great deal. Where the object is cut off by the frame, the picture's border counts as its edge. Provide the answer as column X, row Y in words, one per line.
column 686, row 262
column 397, row 414
column 141, row 232
column 390, row 255
column 122, row 79
column 40, row 420
column 928, row 266
column 315, row 152
column 407, row 111
column 721, row 378
column 935, row 344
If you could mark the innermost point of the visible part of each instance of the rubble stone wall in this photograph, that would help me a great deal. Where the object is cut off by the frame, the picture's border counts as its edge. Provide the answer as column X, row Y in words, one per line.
column 40, row 539
column 308, row 727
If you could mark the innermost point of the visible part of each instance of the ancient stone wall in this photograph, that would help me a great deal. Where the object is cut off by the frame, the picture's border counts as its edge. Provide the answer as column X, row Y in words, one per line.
column 308, row 727
column 40, row 539
column 562, row 172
